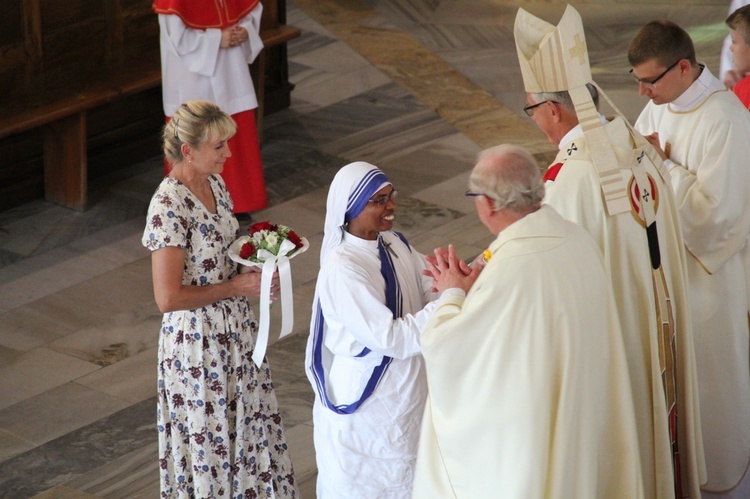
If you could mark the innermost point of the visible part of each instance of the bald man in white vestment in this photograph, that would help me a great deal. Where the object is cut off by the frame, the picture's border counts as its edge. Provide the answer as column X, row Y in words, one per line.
column 702, row 132
column 528, row 390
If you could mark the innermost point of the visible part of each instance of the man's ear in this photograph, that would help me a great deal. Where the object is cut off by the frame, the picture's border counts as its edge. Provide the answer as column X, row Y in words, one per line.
column 557, row 111
column 487, row 202
column 684, row 67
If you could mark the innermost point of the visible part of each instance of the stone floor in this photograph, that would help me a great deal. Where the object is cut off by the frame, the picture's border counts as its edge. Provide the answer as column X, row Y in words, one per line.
column 416, row 87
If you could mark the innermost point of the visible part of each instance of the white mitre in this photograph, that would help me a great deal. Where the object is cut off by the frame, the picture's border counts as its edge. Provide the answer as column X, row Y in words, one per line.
column 556, row 59
column 552, row 58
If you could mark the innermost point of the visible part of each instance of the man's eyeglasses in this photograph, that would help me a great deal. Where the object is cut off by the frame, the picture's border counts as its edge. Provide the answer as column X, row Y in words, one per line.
column 652, row 83
column 473, row 194
column 529, row 110
column 383, row 200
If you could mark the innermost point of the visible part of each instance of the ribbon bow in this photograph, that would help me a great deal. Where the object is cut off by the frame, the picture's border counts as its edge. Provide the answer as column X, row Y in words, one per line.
column 270, row 263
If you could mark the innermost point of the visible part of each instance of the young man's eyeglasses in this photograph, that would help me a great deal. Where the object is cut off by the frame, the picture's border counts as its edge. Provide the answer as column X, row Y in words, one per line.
column 652, row 83
column 529, row 110
column 383, row 200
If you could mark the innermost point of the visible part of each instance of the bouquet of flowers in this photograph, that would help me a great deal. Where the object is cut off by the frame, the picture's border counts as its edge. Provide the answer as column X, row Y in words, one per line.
column 266, row 240
column 270, row 247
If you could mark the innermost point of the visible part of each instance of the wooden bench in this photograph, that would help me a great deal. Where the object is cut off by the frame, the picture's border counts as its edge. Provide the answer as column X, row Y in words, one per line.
column 273, row 37
column 63, row 124
column 58, row 106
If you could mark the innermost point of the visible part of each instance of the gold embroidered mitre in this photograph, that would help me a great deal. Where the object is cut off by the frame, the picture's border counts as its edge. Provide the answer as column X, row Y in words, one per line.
column 555, row 59
column 552, row 58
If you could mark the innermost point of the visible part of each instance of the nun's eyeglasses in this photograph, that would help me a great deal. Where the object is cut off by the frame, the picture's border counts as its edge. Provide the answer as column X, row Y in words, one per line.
column 383, row 200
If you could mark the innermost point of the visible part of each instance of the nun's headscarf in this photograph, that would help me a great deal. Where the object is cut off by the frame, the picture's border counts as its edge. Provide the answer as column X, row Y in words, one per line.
column 350, row 190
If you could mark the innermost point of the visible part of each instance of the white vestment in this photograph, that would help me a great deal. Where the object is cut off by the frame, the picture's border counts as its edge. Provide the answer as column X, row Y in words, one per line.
column 194, row 68
column 575, row 192
column 371, row 452
column 706, row 135
column 529, row 394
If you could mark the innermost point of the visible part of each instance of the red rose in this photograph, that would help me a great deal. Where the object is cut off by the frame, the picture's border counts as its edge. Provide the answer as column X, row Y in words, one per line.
column 266, row 225
column 293, row 237
column 247, row 251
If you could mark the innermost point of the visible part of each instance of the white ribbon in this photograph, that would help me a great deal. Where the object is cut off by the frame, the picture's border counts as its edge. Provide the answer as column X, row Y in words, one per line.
column 270, row 263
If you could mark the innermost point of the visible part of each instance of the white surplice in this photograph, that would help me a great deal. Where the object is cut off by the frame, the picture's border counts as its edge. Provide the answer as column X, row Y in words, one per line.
column 706, row 134
column 194, row 67
column 528, row 386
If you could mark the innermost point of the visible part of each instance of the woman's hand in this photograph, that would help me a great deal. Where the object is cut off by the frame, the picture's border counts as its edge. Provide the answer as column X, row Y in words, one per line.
column 248, row 282
column 167, row 267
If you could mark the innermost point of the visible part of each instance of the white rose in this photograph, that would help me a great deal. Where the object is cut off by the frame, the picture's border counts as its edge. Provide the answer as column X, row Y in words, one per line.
column 258, row 237
column 272, row 239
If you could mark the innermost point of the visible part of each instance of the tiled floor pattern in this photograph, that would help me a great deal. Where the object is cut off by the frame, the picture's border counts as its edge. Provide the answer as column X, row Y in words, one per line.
column 417, row 87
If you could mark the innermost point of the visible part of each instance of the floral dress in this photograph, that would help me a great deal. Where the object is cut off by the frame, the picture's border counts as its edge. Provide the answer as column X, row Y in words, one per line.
column 220, row 431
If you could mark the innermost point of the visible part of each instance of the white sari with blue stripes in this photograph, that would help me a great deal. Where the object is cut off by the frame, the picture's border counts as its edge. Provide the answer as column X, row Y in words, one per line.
column 363, row 354
column 367, row 370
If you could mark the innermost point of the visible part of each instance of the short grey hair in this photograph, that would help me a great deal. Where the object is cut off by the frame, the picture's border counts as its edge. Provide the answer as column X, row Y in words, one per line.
column 563, row 97
column 509, row 176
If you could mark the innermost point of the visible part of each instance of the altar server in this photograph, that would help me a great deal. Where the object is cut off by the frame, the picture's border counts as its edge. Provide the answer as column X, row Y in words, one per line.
column 206, row 47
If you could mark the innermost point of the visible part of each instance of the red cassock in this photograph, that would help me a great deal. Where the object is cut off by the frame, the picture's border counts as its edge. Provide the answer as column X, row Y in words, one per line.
column 243, row 171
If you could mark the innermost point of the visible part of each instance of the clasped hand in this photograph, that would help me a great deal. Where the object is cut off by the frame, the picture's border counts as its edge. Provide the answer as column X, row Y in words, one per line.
column 231, row 37
column 653, row 139
column 448, row 271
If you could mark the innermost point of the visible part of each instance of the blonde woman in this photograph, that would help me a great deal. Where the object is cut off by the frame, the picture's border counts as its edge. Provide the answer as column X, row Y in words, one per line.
column 220, row 430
